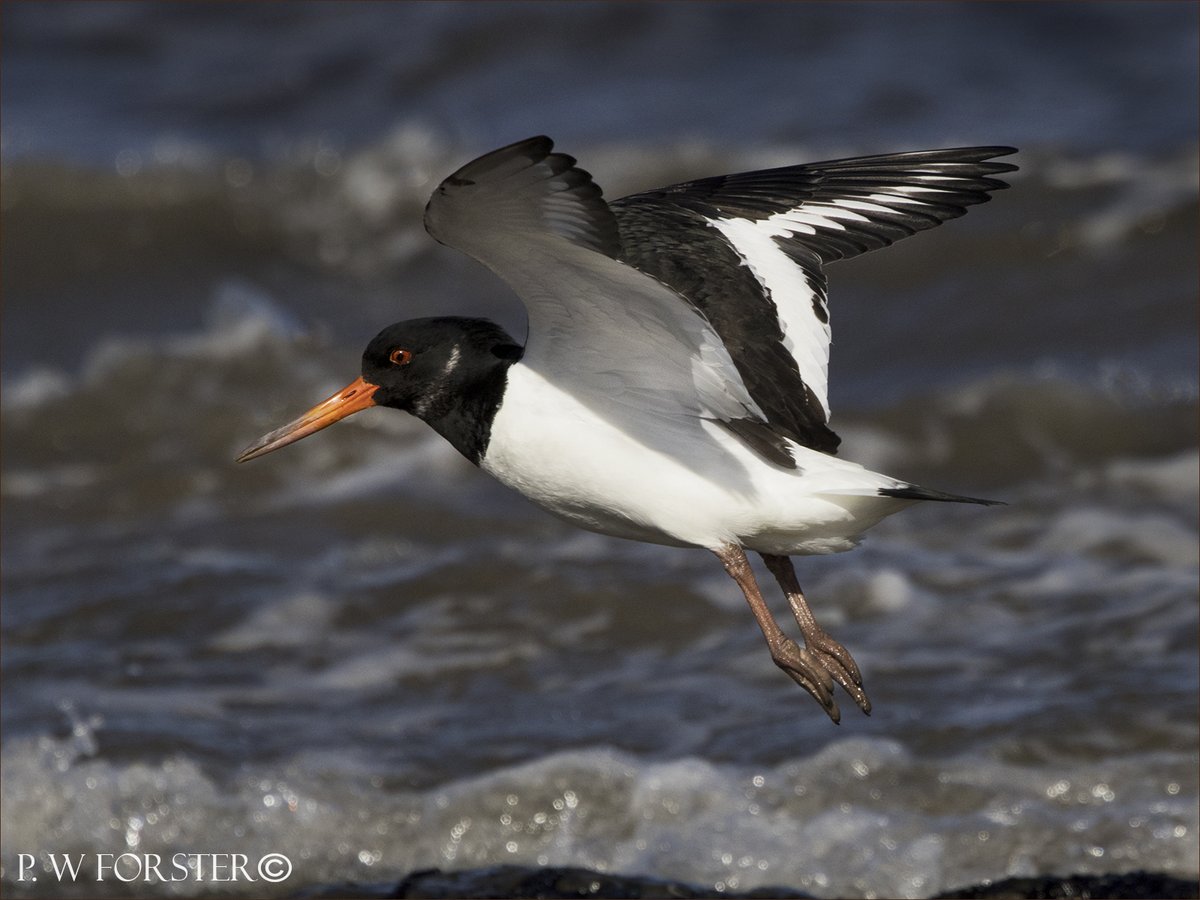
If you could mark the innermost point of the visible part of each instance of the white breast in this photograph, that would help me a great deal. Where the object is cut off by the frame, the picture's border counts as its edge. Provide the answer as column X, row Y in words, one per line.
column 684, row 482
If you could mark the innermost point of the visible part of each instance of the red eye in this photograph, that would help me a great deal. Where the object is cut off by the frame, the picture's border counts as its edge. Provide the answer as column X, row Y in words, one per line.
column 400, row 357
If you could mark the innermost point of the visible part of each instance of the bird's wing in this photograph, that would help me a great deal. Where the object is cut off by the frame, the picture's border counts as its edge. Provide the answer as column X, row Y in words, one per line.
column 615, row 337
column 748, row 250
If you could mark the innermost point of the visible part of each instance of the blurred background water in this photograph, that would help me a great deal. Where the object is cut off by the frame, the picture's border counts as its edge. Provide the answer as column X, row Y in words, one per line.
column 363, row 654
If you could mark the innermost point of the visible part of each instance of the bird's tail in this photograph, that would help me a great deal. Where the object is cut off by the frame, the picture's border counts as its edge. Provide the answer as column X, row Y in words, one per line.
column 916, row 492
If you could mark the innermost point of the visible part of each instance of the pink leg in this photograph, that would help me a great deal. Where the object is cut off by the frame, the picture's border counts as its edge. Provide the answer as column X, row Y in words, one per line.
column 804, row 667
column 833, row 657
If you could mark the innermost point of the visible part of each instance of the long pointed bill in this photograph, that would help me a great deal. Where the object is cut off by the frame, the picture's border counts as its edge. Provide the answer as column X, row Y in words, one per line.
column 356, row 396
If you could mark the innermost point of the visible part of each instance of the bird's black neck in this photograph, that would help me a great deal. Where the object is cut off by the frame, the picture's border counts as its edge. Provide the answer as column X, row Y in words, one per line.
column 464, row 417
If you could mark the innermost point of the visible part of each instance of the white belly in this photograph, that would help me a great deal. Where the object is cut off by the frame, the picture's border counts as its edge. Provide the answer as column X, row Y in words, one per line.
column 687, row 482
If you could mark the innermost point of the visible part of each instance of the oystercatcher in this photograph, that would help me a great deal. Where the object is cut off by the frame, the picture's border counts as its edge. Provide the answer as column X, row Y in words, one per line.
column 673, row 385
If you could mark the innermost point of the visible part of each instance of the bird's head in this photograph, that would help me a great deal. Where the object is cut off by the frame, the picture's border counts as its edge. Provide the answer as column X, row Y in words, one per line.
column 427, row 367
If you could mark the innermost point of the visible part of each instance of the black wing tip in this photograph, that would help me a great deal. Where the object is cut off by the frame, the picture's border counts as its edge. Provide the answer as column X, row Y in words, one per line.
column 952, row 162
column 916, row 492
column 537, row 148
column 980, row 153
column 1000, row 150
column 532, row 150
column 531, row 169
column 539, row 144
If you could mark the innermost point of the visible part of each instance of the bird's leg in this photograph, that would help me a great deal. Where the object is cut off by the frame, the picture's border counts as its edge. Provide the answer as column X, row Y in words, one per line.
column 804, row 667
column 832, row 656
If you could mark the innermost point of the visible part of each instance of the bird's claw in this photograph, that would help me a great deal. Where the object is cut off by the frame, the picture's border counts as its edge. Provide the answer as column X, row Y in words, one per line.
column 838, row 662
column 807, row 670
column 817, row 666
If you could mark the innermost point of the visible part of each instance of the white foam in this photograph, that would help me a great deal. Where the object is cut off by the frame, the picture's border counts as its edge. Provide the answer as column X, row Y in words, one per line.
column 1143, row 191
column 36, row 388
column 1169, row 478
column 863, row 817
column 296, row 621
column 1149, row 536
column 30, row 483
column 241, row 321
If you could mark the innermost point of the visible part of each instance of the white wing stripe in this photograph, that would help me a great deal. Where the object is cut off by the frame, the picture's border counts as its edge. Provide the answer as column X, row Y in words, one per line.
column 805, row 336
column 809, row 220
column 844, row 203
column 820, row 216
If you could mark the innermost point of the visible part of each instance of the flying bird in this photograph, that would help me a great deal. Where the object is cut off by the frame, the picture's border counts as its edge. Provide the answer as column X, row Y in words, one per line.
column 673, row 387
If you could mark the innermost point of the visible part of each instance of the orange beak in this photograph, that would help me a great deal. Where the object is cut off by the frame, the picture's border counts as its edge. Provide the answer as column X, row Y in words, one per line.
column 356, row 396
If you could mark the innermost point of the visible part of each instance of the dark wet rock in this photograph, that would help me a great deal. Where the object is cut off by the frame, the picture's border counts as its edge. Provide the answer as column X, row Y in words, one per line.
column 1129, row 886
column 522, row 883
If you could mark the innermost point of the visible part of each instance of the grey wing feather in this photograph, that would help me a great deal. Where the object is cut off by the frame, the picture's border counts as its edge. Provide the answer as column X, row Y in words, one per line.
column 612, row 335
